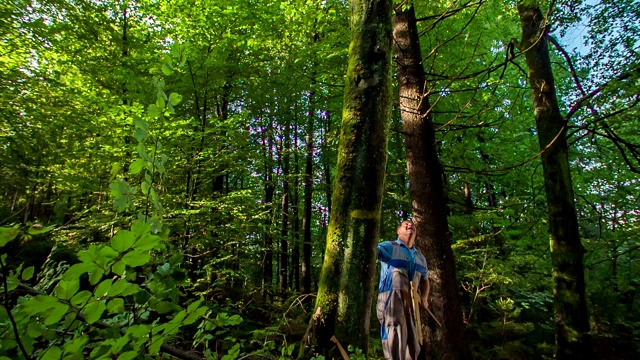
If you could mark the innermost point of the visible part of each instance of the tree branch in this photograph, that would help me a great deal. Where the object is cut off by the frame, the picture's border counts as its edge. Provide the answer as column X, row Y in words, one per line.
column 6, row 306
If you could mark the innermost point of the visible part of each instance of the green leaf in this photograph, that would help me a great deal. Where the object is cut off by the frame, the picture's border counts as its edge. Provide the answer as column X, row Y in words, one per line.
column 129, row 355
column 160, row 103
column 119, row 187
column 120, row 204
column 138, row 331
column 145, row 187
column 142, row 151
column 195, row 315
column 93, row 311
column 130, row 289
column 107, row 253
column 118, row 268
column 76, row 270
column 52, row 353
column 115, row 306
column 140, row 135
column 154, row 347
column 140, row 228
column 154, row 195
column 56, row 314
column 118, row 287
column 67, row 288
column 27, row 274
column 123, row 240
column 147, row 242
column 153, row 110
column 76, row 346
column 115, row 170
column 7, row 234
column 166, row 69
column 175, row 99
column 141, row 124
column 95, row 276
column 35, row 330
column 35, row 230
column 141, row 297
column 81, row 298
column 164, row 307
column 164, row 269
column 103, row 288
column 137, row 166
column 136, row 258
column 38, row 304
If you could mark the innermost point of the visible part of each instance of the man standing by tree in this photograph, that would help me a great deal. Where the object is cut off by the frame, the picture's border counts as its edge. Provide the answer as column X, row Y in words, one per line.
column 404, row 270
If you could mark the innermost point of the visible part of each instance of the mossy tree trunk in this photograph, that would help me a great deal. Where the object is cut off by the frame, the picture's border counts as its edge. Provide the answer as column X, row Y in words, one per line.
column 428, row 198
column 345, row 289
column 570, row 305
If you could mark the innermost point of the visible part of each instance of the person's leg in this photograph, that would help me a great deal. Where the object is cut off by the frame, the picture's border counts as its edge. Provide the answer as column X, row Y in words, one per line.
column 395, row 344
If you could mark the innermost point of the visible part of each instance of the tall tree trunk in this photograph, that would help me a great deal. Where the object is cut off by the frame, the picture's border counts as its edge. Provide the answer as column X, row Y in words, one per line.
column 570, row 304
column 326, row 163
column 346, row 283
column 426, row 189
column 295, row 208
column 267, row 265
column 284, row 240
column 308, row 195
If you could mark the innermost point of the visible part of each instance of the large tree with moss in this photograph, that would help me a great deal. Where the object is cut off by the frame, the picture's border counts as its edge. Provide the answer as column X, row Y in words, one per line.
column 346, row 282
column 570, row 304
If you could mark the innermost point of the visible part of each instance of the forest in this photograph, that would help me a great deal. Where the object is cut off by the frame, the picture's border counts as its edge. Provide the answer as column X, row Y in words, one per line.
column 208, row 179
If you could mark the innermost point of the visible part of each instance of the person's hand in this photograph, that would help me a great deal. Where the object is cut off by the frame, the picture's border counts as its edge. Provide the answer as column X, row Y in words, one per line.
column 425, row 303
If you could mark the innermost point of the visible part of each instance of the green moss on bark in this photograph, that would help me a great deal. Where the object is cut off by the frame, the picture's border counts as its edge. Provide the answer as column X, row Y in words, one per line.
column 570, row 305
column 346, row 282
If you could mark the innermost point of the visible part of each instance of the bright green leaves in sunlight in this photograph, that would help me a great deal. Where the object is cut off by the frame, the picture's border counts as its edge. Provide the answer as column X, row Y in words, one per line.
column 81, row 307
column 123, row 240
column 122, row 195
column 7, row 234
column 175, row 99
column 149, row 166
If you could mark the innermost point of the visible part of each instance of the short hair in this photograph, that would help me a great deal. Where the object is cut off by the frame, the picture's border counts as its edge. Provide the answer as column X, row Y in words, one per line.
column 403, row 221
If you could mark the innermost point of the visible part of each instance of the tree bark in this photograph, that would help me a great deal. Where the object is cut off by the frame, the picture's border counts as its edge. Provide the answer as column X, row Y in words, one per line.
column 295, row 251
column 308, row 195
column 570, row 305
column 326, row 163
column 426, row 189
column 346, row 283
column 284, row 240
column 267, row 264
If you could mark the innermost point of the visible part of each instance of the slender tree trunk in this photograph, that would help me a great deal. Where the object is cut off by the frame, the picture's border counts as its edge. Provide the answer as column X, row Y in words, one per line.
column 498, row 240
column 267, row 269
column 308, row 195
column 31, row 199
column 346, row 283
column 326, row 163
column 222, row 111
column 570, row 304
column 284, row 240
column 426, row 189
column 295, row 252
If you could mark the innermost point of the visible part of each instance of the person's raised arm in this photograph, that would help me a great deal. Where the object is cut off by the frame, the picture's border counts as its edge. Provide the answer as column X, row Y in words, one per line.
column 385, row 251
